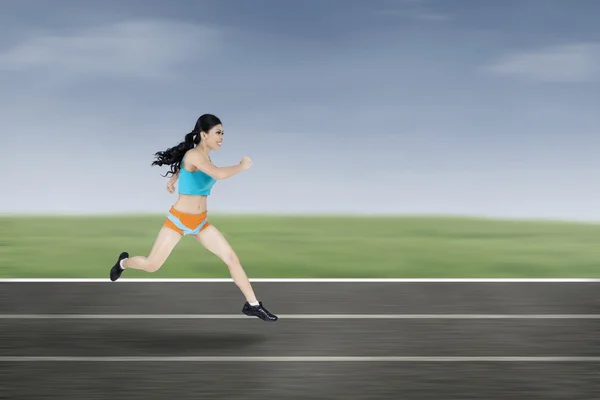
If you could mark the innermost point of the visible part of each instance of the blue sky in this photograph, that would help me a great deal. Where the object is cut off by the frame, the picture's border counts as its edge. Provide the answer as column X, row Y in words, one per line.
column 406, row 106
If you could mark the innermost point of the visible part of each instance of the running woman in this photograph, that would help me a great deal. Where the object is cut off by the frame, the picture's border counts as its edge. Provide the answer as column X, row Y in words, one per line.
column 190, row 163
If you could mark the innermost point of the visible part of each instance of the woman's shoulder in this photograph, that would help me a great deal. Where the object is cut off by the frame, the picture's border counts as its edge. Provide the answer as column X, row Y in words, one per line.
column 189, row 160
column 194, row 161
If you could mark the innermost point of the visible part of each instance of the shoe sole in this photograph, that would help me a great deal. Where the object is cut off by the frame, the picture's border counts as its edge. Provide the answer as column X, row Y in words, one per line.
column 262, row 319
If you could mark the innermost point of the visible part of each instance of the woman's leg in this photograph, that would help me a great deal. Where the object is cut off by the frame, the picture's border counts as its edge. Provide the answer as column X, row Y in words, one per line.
column 164, row 244
column 214, row 241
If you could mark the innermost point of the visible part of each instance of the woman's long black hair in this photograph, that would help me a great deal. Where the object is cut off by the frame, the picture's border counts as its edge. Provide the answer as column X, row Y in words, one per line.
column 174, row 155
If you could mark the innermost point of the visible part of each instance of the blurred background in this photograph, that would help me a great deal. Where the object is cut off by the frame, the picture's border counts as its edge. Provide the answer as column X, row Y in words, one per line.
column 411, row 134
column 390, row 139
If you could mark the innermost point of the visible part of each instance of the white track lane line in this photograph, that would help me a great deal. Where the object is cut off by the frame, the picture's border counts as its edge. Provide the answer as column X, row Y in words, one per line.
column 304, row 280
column 290, row 359
column 301, row 316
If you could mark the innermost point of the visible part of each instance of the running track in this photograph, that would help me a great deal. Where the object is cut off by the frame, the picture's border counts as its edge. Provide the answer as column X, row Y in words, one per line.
column 187, row 340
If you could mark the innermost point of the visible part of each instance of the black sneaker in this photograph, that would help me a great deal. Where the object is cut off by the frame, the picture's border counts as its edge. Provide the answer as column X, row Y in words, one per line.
column 116, row 270
column 258, row 311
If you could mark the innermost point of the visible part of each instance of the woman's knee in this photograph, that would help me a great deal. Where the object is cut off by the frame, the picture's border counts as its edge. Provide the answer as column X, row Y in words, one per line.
column 230, row 258
column 153, row 265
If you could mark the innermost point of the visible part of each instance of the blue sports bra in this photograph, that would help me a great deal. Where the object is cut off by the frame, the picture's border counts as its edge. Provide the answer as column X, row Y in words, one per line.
column 194, row 183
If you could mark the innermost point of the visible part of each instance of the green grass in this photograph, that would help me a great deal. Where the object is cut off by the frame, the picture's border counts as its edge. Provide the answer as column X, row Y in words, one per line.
column 307, row 247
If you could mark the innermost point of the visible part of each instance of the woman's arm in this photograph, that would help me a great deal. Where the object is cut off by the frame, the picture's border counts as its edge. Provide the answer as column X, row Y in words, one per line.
column 171, row 183
column 220, row 173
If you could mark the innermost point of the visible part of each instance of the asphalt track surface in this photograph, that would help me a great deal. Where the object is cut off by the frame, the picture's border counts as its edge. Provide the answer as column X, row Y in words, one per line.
column 131, row 340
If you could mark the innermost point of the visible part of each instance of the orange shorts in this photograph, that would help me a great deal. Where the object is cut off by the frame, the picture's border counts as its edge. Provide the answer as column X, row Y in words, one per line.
column 186, row 224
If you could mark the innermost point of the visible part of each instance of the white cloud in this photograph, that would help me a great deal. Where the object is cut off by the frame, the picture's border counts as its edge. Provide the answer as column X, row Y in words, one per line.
column 577, row 62
column 417, row 9
column 432, row 16
column 138, row 49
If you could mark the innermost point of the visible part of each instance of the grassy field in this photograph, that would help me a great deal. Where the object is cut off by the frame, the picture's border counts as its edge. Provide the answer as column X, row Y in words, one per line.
column 307, row 247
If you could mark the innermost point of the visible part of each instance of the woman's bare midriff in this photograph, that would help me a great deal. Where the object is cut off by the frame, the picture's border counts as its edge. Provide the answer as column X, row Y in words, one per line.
column 191, row 204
